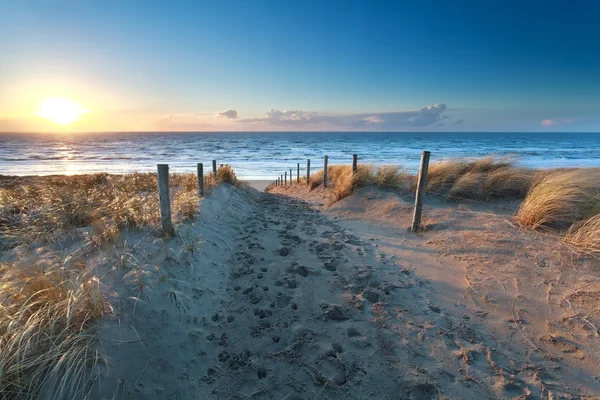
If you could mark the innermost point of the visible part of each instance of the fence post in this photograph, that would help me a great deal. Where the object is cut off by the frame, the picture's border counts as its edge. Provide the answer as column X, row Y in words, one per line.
column 421, row 184
column 285, row 179
column 276, row 182
column 281, row 180
column 164, row 200
column 214, row 168
column 298, row 173
column 354, row 163
column 200, row 179
column 308, row 171
column 325, row 171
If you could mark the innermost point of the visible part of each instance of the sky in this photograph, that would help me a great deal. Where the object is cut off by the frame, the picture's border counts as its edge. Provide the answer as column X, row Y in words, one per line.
column 322, row 65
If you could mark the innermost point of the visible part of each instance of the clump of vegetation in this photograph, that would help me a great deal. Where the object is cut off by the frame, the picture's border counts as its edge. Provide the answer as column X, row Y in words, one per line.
column 391, row 176
column 47, row 342
column 585, row 234
column 560, row 198
column 507, row 182
column 225, row 174
column 484, row 178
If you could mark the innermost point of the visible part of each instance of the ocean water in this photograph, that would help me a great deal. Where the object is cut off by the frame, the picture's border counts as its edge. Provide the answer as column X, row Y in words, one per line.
column 267, row 155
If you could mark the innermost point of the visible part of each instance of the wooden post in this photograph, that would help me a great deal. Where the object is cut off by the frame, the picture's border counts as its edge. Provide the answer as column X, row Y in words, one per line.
column 215, row 168
column 281, row 180
column 354, row 163
column 276, row 182
column 164, row 200
column 200, row 179
column 307, row 171
column 421, row 184
column 291, row 180
column 325, row 171
column 285, row 179
column 298, row 173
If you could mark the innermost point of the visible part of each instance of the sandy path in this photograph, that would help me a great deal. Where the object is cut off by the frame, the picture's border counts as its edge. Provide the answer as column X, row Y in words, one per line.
column 284, row 303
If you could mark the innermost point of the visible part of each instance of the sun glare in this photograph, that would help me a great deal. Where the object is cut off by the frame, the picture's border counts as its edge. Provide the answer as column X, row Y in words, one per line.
column 61, row 110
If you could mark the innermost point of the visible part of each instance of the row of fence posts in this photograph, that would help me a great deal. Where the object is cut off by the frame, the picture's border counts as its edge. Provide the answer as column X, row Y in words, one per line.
column 419, row 195
column 164, row 196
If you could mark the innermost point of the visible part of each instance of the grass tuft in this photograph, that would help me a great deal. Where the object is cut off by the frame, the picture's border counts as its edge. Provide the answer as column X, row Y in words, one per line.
column 585, row 234
column 47, row 341
column 561, row 198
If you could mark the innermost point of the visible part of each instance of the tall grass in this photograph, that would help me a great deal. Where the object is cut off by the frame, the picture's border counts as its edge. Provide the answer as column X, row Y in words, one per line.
column 585, row 234
column 560, row 198
column 45, row 208
column 482, row 179
column 47, row 341
column 49, row 305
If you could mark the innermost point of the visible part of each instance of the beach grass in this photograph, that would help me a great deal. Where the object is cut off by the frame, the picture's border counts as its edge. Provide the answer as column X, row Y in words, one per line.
column 49, row 301
column 560, row 198
column 47, row 341
column 585, row 234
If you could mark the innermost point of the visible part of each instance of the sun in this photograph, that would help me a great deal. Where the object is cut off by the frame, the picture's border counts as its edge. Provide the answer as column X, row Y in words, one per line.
column 61, row 110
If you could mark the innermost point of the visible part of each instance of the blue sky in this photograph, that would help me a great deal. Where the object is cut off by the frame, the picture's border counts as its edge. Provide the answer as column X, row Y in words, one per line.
column 304, row 65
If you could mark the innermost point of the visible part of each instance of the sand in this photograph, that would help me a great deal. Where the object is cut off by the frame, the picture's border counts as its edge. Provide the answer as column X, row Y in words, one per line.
column 259, row 185
column 279, row 296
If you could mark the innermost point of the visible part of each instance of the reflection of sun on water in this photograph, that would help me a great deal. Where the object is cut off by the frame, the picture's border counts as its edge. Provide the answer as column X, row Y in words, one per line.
column 61, row 110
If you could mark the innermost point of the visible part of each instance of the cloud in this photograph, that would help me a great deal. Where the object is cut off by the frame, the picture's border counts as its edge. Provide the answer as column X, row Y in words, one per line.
column 229, row 113
column 428, row 115
column 311, row 120
column 459, row 122
column 557, row 121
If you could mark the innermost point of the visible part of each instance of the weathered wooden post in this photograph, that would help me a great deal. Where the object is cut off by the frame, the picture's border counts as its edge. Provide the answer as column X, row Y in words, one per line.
column 421, row 184
column 325, row 171
column 276, row 182
column 298, row 173
column 308, row 171
column 200, row 179
column 291, row 178
column 354, row 163
column 285, row 179
column 215, row 168
column 164, row 200
column 281, row 179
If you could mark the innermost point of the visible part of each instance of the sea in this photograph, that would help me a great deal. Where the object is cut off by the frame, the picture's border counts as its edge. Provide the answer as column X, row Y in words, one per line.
column 266, row 155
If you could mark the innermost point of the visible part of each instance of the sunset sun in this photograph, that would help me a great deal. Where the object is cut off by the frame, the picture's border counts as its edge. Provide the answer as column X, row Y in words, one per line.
column 61, row 110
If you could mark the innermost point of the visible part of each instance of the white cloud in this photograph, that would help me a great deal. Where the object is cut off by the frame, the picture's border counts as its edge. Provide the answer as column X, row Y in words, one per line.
column 229, row 113
column 311, row 120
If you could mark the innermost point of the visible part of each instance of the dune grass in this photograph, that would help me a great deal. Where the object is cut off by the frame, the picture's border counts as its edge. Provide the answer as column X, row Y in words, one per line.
column 560, row 198
column 49, row 304
column 47, row 341
column 585, row 234
column 481, row 179
column 45, row 208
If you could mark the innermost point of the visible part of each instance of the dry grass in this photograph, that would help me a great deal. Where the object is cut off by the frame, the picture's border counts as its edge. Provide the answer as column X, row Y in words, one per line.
column 507, row 182
column 390, row 176
column 561, row 198
column 225, row 174
column 47, row 342
column 45, row 208
column 467, row 186
column 48, row 305
column 585, row 234
column 481, row 179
